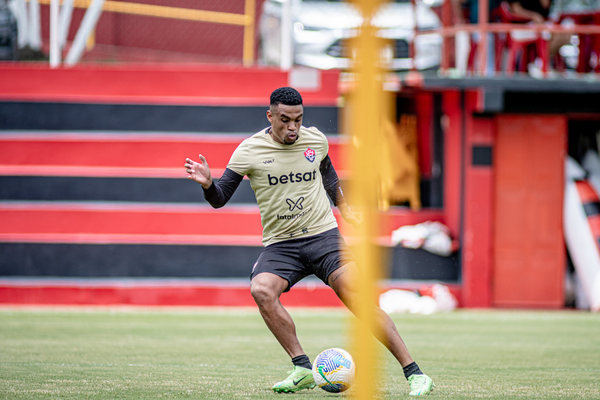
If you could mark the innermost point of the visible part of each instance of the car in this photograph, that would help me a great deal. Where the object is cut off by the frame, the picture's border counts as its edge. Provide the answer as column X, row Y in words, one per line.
column 8, row 33
column 320, row 30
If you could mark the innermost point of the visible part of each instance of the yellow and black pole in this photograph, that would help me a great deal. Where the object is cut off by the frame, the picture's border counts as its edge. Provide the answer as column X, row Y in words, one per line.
column 366, row 109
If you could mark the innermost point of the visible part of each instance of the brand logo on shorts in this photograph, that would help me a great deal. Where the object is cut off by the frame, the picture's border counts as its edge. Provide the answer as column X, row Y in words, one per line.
column 295, row 204
column 310, row 154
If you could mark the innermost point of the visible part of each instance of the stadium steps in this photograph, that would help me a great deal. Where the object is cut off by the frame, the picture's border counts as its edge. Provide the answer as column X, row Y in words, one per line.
column 153, row 292
column 58, row 187
column 90, row 217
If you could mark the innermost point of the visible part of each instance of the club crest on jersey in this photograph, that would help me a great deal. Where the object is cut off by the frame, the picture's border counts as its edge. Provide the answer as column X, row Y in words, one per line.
column 310, row 154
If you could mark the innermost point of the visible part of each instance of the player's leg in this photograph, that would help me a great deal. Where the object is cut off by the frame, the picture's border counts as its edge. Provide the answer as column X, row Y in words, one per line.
column 277, row 269
column 266, row 289
column 342, row 281
column 334, row 264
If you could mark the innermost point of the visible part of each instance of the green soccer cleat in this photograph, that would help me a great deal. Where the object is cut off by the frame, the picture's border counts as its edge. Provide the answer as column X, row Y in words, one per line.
column 420, row 385
column 300, row 378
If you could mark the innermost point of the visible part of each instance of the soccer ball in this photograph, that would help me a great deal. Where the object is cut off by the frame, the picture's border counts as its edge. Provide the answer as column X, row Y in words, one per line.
column 334, row 370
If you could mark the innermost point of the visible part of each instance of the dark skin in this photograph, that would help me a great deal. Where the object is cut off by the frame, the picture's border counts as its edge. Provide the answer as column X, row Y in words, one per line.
column 285, row 126
column 557, row 40
column 266, row 288
column 285, row 122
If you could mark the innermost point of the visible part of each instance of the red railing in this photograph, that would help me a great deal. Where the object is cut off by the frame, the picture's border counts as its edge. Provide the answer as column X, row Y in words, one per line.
column 584, row 23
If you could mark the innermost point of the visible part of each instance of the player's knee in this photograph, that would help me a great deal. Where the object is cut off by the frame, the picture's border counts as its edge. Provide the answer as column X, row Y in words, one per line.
column 262, row 293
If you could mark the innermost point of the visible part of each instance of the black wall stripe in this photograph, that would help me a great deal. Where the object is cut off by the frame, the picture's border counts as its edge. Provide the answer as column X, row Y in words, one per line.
column 549, row 102
column 160, row 190
column 591, row 209
column 178, row 261
column 419, row 264
column 126, row 260
column 151, row 118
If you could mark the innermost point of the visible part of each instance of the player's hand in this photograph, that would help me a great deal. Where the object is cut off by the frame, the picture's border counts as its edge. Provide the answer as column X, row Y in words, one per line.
column 351, row 217
column 199, row 171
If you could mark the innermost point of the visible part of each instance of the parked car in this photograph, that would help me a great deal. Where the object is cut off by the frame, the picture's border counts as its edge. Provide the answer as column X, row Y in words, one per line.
column 320, row 29
column 8, row 33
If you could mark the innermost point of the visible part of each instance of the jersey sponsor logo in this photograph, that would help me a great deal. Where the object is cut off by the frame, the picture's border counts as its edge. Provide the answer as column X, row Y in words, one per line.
column 295, row 204
column 271, row 161
column 310, row 154
column 294, row 216
column 292, row 177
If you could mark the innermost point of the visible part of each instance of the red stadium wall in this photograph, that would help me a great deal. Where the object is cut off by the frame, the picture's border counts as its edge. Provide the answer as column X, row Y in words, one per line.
column 156, row 84
column 470, row 185
column 529, row 251
column 81, row 155
column 180, row 293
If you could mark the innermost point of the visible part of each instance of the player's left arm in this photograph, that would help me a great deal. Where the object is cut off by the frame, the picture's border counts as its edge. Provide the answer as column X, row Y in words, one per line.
column 331, row 182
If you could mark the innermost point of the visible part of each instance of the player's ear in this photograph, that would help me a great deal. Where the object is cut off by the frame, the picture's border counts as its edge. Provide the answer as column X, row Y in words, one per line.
column 269, row 116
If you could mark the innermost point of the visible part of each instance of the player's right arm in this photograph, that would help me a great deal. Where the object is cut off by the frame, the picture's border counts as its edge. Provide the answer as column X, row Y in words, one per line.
column 217, row 194
column 199, row 171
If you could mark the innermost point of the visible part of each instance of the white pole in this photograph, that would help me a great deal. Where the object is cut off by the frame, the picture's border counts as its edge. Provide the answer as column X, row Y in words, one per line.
column 85, row 29
column 462, row 46
column 35, row 34
column 19, row 8
column 54, row 47
column 286, row 35
column 64, row 22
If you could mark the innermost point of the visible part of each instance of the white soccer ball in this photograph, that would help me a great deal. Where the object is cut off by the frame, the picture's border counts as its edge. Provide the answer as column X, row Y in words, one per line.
column 334, row 370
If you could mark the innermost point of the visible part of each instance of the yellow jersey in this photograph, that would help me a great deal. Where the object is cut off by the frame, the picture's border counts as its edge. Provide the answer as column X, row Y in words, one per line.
column 287, row 183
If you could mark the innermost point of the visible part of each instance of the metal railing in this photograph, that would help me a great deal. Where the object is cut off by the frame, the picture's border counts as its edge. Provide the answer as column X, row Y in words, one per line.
column 483, row 28
column 95, row 7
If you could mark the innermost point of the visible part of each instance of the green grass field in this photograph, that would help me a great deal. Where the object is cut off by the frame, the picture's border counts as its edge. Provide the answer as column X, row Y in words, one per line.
column 229, row 353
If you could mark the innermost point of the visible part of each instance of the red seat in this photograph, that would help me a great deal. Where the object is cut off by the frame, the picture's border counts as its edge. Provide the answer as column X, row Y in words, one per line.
column 528, row 48
column 498, row 46
column 589, row 45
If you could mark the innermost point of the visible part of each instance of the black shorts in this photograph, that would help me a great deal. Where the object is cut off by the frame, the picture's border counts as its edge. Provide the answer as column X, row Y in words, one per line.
column 296, row 259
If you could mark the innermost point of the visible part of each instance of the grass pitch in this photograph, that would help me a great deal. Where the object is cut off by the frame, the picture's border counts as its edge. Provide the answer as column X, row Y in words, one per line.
column 229, row 353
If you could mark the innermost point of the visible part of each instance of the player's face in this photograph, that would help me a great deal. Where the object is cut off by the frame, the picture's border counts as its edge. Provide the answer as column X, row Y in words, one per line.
column 285, row 122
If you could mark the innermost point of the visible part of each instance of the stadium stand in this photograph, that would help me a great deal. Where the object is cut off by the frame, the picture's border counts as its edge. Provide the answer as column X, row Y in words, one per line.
column 93, row 197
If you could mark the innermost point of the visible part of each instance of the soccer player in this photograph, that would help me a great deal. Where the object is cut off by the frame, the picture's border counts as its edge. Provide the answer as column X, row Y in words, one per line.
column 292, row 176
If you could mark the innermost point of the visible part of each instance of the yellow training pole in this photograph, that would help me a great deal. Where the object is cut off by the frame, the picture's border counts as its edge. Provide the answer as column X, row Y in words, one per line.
column 249, row 34
column 366, row 109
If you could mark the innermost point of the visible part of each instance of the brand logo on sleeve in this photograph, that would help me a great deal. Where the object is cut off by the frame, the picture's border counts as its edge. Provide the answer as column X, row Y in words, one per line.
column 310, row 154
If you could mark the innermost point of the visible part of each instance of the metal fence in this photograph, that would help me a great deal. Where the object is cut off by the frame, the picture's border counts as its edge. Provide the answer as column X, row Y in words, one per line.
column 144, row 30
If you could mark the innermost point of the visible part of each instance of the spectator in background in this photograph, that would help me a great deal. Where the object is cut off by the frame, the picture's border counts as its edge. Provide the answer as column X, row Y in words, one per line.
column 471, row 8
column 535, row 10
column 538, row 11
column 467, row 11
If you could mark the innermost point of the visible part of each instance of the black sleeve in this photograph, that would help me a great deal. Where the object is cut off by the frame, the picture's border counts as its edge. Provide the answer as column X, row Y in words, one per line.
column 219, row 193
column 331, row 181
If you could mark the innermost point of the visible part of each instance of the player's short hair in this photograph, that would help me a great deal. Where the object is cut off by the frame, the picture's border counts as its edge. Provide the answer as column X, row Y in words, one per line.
column 287, row 96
